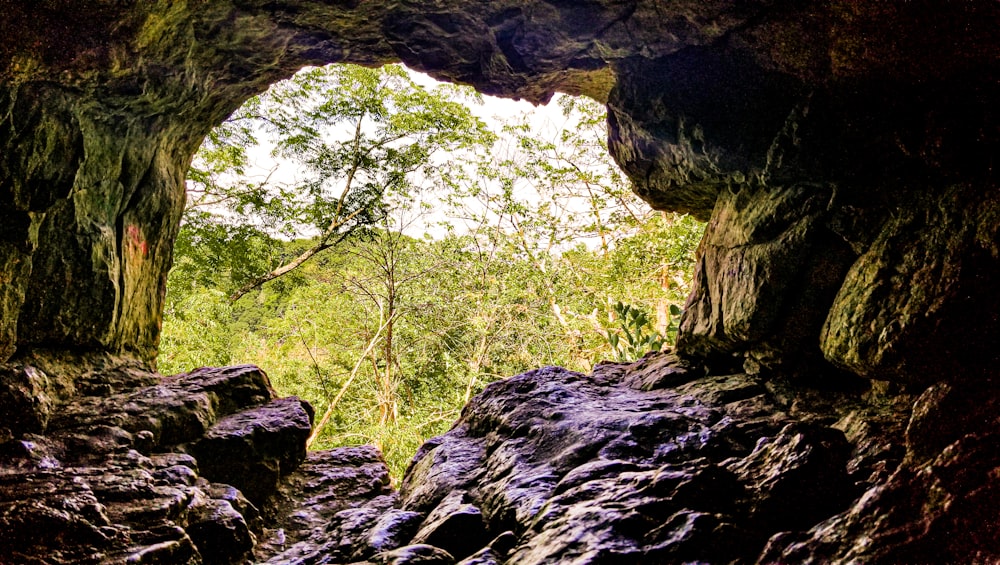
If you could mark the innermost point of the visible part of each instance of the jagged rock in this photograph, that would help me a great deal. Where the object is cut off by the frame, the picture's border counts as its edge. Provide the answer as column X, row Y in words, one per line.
column 24, row 401
column 175, row 410
column 570, row 467
column 331, row 508
column 235, row 498
column 392, row 530
column 493, row 554
column 253, row 449
column 415, row 555
column 220, row 533
column 563, row 466
column 454, row 526
column 767, row 271
column 485, row 556
column 938, row 506
column 915, row 306
column 844, row 153
column 83, row 494
column 797, row 477
column 589, row 469
column 660, row 371
column 943, row 511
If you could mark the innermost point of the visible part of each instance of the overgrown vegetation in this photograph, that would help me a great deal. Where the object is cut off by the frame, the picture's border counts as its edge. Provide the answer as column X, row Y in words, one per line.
column 539, row 254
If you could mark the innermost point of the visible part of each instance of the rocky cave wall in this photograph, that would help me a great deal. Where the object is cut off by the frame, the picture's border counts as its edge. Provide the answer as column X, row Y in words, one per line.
column 824, row 144
column 842, row 153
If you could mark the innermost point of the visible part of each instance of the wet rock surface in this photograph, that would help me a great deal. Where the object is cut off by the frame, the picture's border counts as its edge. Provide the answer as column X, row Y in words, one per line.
column 113, row 478
column 658, row 461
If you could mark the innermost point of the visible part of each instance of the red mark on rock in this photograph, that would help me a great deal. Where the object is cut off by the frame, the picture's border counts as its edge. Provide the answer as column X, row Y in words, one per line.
column 136, row 239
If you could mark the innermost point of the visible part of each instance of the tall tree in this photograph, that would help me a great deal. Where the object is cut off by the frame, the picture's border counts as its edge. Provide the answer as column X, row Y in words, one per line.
column 546, row 190
column 357, row 136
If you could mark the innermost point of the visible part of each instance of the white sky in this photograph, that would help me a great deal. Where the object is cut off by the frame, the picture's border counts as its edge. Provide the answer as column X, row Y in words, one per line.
column 493, row 111
column 496, row 109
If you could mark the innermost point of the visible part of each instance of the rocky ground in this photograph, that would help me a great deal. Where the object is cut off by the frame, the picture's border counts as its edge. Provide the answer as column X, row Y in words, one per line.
column 651, row 462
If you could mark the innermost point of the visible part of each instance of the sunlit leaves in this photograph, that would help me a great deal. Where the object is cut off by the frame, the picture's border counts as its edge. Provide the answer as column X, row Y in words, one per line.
column 352, row 139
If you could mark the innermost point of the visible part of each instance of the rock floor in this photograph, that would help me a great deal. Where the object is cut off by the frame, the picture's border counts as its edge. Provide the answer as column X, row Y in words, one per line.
column 652, row 462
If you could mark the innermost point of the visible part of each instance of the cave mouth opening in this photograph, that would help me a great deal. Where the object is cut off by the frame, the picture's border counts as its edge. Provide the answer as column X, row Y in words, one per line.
column 384, row 246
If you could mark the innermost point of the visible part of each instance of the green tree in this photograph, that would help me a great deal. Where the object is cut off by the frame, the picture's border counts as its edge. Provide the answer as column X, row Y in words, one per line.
column 360, row 137
column 554, row 199
column 386, row 334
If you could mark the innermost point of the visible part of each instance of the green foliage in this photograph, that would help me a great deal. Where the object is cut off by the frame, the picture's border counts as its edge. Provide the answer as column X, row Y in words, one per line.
column 674, row 323
column 358, row 140
column 547, row 257
column 635, row 326
column 197, row 333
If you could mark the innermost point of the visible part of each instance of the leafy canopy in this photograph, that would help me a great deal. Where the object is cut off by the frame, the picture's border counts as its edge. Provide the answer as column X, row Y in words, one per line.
column 357, row 139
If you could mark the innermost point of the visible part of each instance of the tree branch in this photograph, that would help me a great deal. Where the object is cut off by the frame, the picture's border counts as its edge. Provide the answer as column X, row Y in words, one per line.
column 343, row 389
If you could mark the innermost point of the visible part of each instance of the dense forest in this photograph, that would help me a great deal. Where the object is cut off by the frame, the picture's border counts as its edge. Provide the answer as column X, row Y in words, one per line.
column 399, row 252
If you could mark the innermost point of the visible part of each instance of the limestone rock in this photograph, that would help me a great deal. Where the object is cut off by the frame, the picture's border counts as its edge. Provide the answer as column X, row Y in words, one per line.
column 915, row 304
column 392, row 530
column 24, row 401
column 454, row 526
column 253, row 449
column 337, row 504
column 686, row 149
column 706, row 98
column 588, row 468
column 767, row 271
column 220, row 533
column 844, row 153
column 550, row 465
column 797, row 477
column 417, row 554
column 936, row 507
column 661, row 371
column 102, row 487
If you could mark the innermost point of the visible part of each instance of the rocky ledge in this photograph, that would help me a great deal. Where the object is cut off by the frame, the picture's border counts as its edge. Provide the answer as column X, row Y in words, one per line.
column 657, row 461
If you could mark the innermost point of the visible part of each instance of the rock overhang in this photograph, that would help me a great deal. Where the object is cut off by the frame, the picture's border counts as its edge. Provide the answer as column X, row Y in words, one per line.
column 861, row 105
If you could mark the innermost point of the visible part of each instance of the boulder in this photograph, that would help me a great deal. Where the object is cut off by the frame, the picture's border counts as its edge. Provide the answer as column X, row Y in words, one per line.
column 109, row 482
column 253, row 449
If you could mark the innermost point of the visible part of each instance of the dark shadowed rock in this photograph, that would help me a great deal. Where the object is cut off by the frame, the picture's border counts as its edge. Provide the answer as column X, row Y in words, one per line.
column 797, row 477
column 24, row 401
column 915, row 306
column 252, row 449
column 454, row 526
column 767, row 272
column 219, row 532
column 337, row 504
column 105, row 484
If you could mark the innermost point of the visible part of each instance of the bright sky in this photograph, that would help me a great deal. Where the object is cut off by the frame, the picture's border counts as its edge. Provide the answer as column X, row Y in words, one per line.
column 493, row 111
column 496, row 109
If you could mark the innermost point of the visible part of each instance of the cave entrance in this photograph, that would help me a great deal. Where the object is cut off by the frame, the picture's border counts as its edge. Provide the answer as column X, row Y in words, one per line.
column 384, row 246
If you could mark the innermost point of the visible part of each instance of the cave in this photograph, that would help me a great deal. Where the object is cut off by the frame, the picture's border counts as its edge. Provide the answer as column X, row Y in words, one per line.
column 831, row 395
